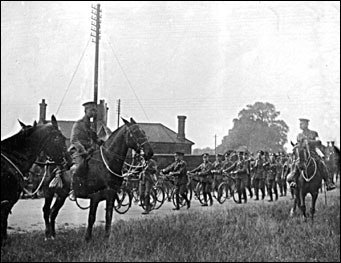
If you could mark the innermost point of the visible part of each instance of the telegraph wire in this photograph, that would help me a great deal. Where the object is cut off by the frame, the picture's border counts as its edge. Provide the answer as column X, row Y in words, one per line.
column 126, row 76
column 74, row 73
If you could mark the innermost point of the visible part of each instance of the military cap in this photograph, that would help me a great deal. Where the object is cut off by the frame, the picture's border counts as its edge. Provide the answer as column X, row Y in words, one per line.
column 90, row 104
column 219, row 155
column 304, row 120
column 261, row 152
column 179, row 153
column 205, row 154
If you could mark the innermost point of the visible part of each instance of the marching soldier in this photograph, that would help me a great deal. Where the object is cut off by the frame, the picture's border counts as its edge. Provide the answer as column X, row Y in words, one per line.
column 311, row 138
column 83, row 139
column 204, row 171
column 216, row 171
column 271, row 170
column 226, row 164
column 259, row 174
column 178, row 169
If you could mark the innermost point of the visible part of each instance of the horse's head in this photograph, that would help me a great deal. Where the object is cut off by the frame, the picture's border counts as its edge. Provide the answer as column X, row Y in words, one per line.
column 301, row 153
column 137, row 139
column 54, row 144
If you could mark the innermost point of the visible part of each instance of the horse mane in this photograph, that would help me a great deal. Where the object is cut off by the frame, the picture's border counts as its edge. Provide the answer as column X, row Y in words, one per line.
column 18, row 140
column 115, row 132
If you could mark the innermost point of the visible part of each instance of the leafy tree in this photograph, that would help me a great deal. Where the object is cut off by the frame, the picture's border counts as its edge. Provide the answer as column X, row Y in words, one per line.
column 257, row 128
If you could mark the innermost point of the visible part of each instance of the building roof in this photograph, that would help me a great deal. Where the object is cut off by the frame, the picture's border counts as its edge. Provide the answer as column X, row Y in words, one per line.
column 156, row 132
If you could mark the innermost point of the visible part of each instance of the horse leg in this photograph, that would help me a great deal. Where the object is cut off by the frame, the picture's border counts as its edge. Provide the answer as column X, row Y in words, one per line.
column 60, row 200
column 302, row 204
column 5, row 210
column 46, row 213
column 94, row 201
column 108, row 212
column 313, row 204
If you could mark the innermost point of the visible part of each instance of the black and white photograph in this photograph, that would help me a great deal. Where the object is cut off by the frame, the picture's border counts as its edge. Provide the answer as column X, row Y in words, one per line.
column 170, row 131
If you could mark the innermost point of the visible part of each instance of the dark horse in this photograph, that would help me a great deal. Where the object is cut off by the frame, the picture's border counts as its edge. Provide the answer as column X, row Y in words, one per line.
column 18, row 153
column 99, row 178
column 310, row 170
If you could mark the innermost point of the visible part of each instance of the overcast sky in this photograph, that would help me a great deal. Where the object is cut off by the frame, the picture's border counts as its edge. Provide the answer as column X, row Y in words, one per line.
column 205, row 60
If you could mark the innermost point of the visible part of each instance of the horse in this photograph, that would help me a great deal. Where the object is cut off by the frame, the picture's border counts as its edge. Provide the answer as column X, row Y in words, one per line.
column 18, row 153
column 309, row 167
column 332, row 160
column 99, row 178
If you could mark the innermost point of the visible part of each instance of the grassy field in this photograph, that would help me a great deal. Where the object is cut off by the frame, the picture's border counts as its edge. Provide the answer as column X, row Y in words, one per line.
column 259, row 233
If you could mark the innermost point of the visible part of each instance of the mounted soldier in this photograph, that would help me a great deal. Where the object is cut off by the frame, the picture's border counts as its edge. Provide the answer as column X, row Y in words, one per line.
column 84, row 139
column 311, row 140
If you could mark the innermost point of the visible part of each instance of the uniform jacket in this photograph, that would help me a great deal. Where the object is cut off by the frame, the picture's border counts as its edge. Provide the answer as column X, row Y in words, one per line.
column 307, row 134
column 259, row 169
column 149, row 171
column 204, row 169
column 179, row 169
column 82, row 136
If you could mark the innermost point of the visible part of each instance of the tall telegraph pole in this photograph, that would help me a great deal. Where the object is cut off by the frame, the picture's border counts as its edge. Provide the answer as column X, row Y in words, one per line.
column 95, row 27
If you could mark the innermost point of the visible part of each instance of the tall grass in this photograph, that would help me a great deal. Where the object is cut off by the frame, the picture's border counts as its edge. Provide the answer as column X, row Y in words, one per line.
column 244, row 233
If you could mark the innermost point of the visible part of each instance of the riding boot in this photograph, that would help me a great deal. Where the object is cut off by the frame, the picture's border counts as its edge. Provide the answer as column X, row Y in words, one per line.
column 263, row 193
column 270, row 193
column 177, row 198
column 239, row 197
column 256, row 193
column 245, row 196
column 210, row 197
column 205, row 199
column 188, row 202
column 250, row 192
column 276, row 193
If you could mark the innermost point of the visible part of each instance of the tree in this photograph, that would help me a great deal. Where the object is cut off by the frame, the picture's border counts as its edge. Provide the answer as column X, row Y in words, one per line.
column 257, row 128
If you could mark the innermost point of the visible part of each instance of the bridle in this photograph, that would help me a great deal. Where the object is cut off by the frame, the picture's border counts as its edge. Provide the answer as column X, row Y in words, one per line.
column 308, row 159
column 139, row 146
column 51, row 135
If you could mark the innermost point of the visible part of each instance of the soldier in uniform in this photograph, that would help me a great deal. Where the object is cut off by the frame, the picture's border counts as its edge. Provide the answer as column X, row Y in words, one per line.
column 241, row 173
column 178, row 169
column 147, row 182
column 259, row 173
column 311, row 138
column 226, row 164
column 83, row 139
column 271, row 170
column 216, row 171
column 204, row 171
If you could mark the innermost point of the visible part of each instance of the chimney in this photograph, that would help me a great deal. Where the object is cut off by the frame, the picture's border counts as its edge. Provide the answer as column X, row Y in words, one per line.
column 42, row 111
column 181, row 127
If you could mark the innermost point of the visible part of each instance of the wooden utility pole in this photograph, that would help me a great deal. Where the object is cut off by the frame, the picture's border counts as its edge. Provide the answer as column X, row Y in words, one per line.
column 95, row 27
column 118, row 112
column 215, row 144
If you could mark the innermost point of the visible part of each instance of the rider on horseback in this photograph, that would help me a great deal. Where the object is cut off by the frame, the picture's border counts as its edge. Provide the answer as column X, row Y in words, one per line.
column 311, row 139
column 83, row 139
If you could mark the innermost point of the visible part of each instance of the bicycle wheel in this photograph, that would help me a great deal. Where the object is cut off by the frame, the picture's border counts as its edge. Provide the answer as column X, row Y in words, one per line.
column 199, row 193
column 181, row 199
column 160, row 197
column 222, row 192
column 123, row 201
